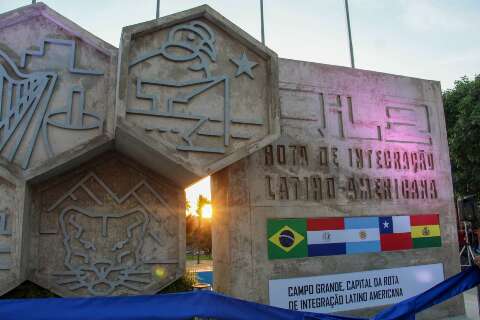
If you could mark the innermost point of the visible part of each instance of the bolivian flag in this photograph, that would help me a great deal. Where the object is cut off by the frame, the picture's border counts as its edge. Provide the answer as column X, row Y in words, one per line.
column 425, row 231
column 287, row 238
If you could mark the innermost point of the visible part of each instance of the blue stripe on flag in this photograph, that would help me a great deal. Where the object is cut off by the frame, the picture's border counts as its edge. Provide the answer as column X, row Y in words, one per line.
column 315, row 250
column 385, row 224
column 363, row 247
column 361, row 222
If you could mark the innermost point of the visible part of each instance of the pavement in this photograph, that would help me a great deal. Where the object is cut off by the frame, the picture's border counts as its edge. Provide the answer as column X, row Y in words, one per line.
column 205, row 265
column 472, row 311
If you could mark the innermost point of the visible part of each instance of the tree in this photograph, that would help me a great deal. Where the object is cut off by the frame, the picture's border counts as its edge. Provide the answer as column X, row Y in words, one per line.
column 462, row 113
column 204, row 230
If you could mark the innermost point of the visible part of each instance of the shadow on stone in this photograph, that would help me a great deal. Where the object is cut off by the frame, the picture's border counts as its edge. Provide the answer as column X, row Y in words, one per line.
column 28, row 290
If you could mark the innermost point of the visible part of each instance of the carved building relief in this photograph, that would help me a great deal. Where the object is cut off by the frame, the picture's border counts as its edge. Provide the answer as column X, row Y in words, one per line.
column 113, row 234
column 55, row 86
column 197, row 90
column 12, row 195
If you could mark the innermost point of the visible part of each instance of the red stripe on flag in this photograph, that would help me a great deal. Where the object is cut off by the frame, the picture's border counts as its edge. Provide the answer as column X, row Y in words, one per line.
column 396, row 241
column 424, row 219
column 318, row 224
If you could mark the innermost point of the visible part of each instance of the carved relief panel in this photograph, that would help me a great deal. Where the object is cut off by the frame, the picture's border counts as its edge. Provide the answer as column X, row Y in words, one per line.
column 12, row 200
column 56, row 86
column 108, row 228
column 197, row 88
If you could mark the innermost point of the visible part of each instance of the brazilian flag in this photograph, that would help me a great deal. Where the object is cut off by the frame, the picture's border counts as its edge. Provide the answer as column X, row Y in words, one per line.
column 287, row 238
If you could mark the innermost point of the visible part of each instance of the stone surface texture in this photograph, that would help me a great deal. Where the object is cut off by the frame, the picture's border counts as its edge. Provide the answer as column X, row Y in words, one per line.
column 76, row 217
column 12, row 205
column 58, row 85
column 95, row 152
column 340, row 127
column 117, row 228
column 197, row 90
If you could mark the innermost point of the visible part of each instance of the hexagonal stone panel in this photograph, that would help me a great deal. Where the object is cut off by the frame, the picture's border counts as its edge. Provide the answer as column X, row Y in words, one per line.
column 12, row 203
column 197, row 89
column 57, row 85
column 109, row 227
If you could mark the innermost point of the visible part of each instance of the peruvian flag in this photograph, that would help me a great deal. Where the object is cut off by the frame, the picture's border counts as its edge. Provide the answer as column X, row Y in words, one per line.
column 395, row 233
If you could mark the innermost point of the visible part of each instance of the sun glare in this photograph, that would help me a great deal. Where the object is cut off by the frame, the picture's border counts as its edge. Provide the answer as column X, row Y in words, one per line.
column 207, row 211
column 202, row 187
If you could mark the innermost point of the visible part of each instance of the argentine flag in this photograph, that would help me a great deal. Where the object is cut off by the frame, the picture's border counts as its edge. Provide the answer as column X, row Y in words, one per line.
column 362, row 235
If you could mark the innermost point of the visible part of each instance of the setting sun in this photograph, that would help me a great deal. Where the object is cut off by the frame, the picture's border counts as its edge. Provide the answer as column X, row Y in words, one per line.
column 207, row 211
column 201, row 188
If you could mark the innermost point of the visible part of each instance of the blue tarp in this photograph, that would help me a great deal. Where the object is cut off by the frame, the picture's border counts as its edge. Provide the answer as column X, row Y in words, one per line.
column 208, row 304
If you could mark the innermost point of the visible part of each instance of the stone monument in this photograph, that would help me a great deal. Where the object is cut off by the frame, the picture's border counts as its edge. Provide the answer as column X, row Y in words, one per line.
column 331, row 186
column 357, row 189
column 93, row 169
column 197, row 90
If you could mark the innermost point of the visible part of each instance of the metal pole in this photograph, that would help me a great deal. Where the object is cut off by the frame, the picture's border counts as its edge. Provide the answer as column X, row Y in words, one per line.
column 158, row 9
column 262, row 24
column 349, row 35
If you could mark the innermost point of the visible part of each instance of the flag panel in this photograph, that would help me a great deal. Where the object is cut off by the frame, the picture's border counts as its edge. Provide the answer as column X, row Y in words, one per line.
column 361, row 235
column 326, row 236
column 319, row 224
column 385, row 224
column 424, row 219
column 425, row 231
column 287, row 238
column 401, row 224
column 311, row 237
column 363, row 247
column 361, row 222
column 396, row 241
column 419, row 243
column 315, row 250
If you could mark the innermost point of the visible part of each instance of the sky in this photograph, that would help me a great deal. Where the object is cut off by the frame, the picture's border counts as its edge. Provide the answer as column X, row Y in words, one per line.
column 429, row 39
column 202, row 187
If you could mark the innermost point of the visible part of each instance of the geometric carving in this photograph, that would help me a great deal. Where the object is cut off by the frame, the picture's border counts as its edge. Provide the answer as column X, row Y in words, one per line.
column 244, row 65
column 22, row 99
column 27, row 104
column 5, row 229
column 55, row 96
column 85, row 268
column 71, row 55
column 407, row 121
column 5, row 248
column 347, row 117
column 72, row 117
column 180, row 94
column 11, row 207
column 349, row 125
column 110, row 232
column 202, row 50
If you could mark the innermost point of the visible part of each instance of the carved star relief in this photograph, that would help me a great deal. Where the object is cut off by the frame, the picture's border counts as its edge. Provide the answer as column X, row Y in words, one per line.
column 244, row 65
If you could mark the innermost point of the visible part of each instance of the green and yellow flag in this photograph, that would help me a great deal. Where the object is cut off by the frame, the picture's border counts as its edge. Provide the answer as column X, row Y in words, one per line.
column 425, row 230
column 287, row 238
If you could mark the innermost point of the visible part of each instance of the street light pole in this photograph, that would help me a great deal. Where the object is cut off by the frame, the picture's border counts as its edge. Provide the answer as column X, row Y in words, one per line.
column 349, row 35
column 262, row 22
column 158, row 9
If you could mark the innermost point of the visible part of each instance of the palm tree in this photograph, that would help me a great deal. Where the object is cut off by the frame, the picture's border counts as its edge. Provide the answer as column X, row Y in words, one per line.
column 201, row 203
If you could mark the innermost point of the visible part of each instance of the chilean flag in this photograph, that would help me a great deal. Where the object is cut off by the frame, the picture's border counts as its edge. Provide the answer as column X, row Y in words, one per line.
column 395, row 233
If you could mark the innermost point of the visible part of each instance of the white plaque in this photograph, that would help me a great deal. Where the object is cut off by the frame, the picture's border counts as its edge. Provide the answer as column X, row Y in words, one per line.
column 356, row 290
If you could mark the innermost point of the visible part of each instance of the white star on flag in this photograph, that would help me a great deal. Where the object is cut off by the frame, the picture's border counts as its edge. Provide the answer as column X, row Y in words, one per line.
column 386, row 224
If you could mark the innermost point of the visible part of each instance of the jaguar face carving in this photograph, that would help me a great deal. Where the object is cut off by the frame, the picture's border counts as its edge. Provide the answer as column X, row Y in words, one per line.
column 103, row 250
